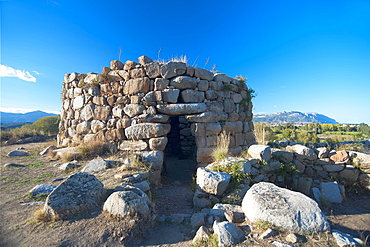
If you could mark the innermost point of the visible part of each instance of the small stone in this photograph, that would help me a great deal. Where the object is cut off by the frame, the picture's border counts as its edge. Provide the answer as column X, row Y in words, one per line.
column 197, row 220
column 268, row 233
column 13, row 165
column 42, row 189
column 17, row 153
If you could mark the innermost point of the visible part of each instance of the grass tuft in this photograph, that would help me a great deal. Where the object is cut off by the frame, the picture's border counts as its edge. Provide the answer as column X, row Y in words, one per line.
column 222, row 149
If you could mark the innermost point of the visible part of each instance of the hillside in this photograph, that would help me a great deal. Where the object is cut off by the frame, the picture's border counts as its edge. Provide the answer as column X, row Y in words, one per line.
column 28, row 117
column 295, row 117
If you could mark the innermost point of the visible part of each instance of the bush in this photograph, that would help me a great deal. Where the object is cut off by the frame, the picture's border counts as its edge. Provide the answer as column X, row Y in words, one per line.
column 222, row 149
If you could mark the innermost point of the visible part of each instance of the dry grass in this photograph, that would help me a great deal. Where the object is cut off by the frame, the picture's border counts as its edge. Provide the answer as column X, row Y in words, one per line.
column 221, row 151
column 261, row 133
column 92, row 149
column 42, row 216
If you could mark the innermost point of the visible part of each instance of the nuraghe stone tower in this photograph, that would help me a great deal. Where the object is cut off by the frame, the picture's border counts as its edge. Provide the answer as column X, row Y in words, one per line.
column 152, row 108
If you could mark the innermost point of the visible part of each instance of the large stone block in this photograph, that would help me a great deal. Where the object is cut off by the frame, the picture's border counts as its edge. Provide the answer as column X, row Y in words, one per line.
column 172, row 69
column 203, row 74
column 153, row 70
column 170, row 95
column 184, row 82
column 134, row 86
column 260, row 152
column 147, row 130
column 181, row 109
column 302, row 151
column 158, row 144
column 132, row 145
column 133, row 109
column 204, row 155
column 212, row 182
column 192, row 96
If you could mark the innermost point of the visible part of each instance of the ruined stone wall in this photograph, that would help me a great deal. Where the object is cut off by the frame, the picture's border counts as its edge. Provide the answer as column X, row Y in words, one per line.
column 130, row 106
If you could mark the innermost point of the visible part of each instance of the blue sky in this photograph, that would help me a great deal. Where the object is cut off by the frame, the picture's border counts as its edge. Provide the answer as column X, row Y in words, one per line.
column 309, row 56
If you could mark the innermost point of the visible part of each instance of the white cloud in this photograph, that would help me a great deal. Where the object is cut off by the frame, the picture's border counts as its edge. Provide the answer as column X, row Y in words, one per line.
column 36, row 72
column 6, row 71
column 24, row 110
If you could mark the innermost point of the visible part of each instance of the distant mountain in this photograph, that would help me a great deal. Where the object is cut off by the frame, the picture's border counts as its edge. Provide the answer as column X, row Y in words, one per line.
column 30, row 117
column 295, row 117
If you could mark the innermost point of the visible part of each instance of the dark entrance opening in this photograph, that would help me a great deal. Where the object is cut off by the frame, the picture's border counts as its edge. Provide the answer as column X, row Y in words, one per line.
column 179, row 160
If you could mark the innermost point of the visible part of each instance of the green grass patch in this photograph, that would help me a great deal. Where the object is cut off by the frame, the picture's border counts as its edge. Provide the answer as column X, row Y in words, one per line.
column 36, row 165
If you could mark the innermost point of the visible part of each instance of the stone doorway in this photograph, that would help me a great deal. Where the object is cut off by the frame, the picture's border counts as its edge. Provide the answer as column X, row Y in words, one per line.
column 179, row 161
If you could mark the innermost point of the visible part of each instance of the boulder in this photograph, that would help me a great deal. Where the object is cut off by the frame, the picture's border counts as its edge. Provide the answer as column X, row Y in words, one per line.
column 96, row 165
column 212, row 182
column 181, row 109
column 160, row 84
column 153, row 69
column 17, row 153
column 42, row 189
column 302, row 151
column 128, row 203
column 260, row 152
column 228, row 233
column 67, row 166
column 283, row 208
column 323, row 152
column 79, row 192
column 116, row 65
column 183, row 82
column 78, row 102
column 172, row 69
column 144, row 60
column 83, row 127
column 147, row 130
column 340, row 157
column 197, row 220
column 331, row 192
column 87, row 112
column 344, row 239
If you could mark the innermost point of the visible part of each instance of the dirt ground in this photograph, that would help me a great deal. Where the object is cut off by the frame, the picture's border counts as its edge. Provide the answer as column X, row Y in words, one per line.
column 18, row 226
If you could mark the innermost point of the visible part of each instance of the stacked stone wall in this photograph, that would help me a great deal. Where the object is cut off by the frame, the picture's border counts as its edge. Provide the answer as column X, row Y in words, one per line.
column 129, row 106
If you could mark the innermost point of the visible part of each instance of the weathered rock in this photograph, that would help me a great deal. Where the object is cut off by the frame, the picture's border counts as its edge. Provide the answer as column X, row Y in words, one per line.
column 42, row 189
column 260, row 152
column 96, row 165
column 344, row 239
column 192, row 96
column 280, row 244
column 83, row 128
column 268, row 233
column 116, row 65
column 77, row 193
column 333, row 168
column 129, row 65
column 212, row 182
column 201, row 236
column 153, row 69
column 170, row 95
column 282, row 155
column 160, row 84
column 102, row 112
column 17, row 153
column 154, row 159
column 234, row 217
column 132, row 145
column 203, row 74
column 228, row 233
column 155, row 118
column 222, row 77
column 331, row 192
column 138, row 85
column 208, row 116
column 147, row 130
column 78, row 102
column 340, row 157
column 184, row 82
column 144, row 60
column 158, row 144
column 302, row 151
column 143, row 185
column 323, row 152
column 172, row 69
column 128, row 203
column 201, row 199
column 13, row 165
column 181, row 109
column 283, row 208
column 197, row 220
column 133, row 109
